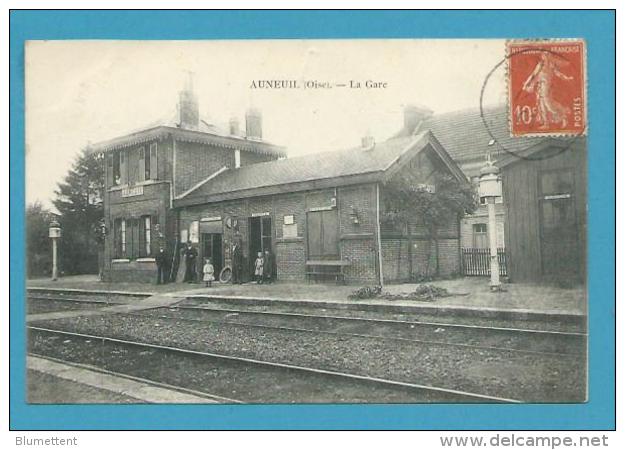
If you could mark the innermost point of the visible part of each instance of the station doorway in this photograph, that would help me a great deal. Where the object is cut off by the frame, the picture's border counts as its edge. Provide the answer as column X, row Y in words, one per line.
column 260, row 237
column 211, row 248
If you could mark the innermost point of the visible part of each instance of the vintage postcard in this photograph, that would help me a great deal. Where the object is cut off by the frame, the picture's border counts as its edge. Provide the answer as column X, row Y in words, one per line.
column 306, row 221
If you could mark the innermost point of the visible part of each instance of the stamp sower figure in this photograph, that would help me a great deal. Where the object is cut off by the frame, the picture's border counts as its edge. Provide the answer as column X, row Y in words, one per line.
column 237, row 263
column 209, row 273
column 540, row 82
column 162, row 266
column 190, row 257
column 268, row 267
column 258, row 268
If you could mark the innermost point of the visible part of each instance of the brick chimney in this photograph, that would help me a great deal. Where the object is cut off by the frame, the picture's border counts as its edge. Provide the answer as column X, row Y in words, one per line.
column 254, row 124
column 188, row 109
column 414, row 116
column 367, row 142
column 234, row 127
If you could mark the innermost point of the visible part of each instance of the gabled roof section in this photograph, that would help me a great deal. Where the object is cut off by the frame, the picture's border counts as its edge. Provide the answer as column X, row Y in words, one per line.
column 322, row 170
column 465, row 136
column 205, row 133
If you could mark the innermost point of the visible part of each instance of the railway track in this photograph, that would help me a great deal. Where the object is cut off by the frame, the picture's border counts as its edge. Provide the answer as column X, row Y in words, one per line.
column 266, row 374
column 391, row 326
column 58, row 298
column 196, row 393
column 553, row 343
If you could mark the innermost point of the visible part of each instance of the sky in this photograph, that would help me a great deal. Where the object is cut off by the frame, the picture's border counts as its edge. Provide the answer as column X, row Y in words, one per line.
column 80, row 92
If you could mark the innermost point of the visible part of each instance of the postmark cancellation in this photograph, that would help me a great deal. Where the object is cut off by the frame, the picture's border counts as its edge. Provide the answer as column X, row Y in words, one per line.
column 546, row 83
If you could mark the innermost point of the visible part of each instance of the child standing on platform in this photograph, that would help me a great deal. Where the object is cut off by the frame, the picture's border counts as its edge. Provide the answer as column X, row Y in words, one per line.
column 209, row 272
column 258, row 268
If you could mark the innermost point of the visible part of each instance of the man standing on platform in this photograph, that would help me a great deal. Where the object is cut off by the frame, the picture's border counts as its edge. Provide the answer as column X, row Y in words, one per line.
column 162, row 266
column 190, row 257
column 237, row 263
column 268, row 272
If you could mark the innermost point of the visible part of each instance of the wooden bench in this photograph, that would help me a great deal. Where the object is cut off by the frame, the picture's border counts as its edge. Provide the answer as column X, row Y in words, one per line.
column 316, row 268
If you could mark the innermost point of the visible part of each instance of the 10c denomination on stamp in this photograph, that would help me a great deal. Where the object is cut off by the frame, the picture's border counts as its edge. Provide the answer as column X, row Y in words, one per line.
column 546, row 87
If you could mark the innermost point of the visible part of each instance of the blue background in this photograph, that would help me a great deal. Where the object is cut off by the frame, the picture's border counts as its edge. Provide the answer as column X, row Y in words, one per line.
column 597, row 27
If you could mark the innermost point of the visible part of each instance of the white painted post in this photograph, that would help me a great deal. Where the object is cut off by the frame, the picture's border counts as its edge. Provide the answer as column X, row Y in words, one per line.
column 492, row 238
column 490, row 189
column 54, row 234
column 55, row 271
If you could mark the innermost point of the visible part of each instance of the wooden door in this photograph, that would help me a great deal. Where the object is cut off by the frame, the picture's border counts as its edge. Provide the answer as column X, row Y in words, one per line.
column 212, row 248
column 558, row 225
column 323, row 234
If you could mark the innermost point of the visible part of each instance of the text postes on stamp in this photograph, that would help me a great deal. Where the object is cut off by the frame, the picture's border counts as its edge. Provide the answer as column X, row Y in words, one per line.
column 546, row 88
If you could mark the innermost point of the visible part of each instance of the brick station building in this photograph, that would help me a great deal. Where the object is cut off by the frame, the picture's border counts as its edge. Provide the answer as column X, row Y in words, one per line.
column 185, row 180
column 145, row 171
column 323, row 207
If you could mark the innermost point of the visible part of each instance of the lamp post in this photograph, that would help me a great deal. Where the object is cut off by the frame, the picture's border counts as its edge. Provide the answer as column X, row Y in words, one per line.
column 55, row 234
column 490, row 188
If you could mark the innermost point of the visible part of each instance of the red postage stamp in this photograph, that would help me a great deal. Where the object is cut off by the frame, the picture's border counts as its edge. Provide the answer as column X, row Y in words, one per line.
column 546, row 87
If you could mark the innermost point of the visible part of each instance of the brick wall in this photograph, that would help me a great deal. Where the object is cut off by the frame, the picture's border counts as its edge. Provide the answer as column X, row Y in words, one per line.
column 133, row 271
column 154, row 202
column 407, row 251
column 358, row 241
column 248, row 158
column 362, row 253
column 290, row 260
column 448, row 257
column 195, row 162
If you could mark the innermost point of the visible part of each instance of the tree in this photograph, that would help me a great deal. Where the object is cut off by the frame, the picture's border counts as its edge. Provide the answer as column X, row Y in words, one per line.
column 408, row 201
column 79, row 202
column 38, row 249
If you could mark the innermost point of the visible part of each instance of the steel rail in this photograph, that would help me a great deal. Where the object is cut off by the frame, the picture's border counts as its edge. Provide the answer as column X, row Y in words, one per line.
column 348, row 318
column 359, row 335
column 257, row 362
column 139, row 379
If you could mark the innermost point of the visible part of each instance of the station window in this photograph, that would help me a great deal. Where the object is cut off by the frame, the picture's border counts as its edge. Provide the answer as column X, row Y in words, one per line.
column 116, row 167
column 119, row 226
column 151, row 162
column 145, row 236
column 480, row 235
column 134, row 237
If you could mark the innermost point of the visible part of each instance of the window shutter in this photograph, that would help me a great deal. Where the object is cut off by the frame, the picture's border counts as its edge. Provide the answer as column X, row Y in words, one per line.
column 135, row 238
column 123, row 167
column 109, row 169
column 154, row 235
column 141, row 168
column 117, row 239
column 154, row 161
column 142, row 251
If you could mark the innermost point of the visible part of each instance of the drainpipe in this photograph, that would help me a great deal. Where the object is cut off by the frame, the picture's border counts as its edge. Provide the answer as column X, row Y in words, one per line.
column 377, row 211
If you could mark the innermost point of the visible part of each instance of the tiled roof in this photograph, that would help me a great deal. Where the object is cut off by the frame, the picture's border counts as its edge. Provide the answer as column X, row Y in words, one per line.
column 334, row 165
column 205, row 132
column 465, row 137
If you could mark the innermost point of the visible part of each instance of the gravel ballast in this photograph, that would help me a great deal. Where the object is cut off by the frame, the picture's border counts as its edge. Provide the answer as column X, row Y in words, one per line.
column 522, row 376
column 232, row 380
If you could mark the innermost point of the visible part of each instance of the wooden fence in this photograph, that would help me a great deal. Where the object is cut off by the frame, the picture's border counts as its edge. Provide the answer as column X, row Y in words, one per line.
column 476, row 262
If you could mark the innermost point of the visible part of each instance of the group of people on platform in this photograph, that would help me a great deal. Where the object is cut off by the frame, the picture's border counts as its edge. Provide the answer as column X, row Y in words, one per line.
column 263, row 269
